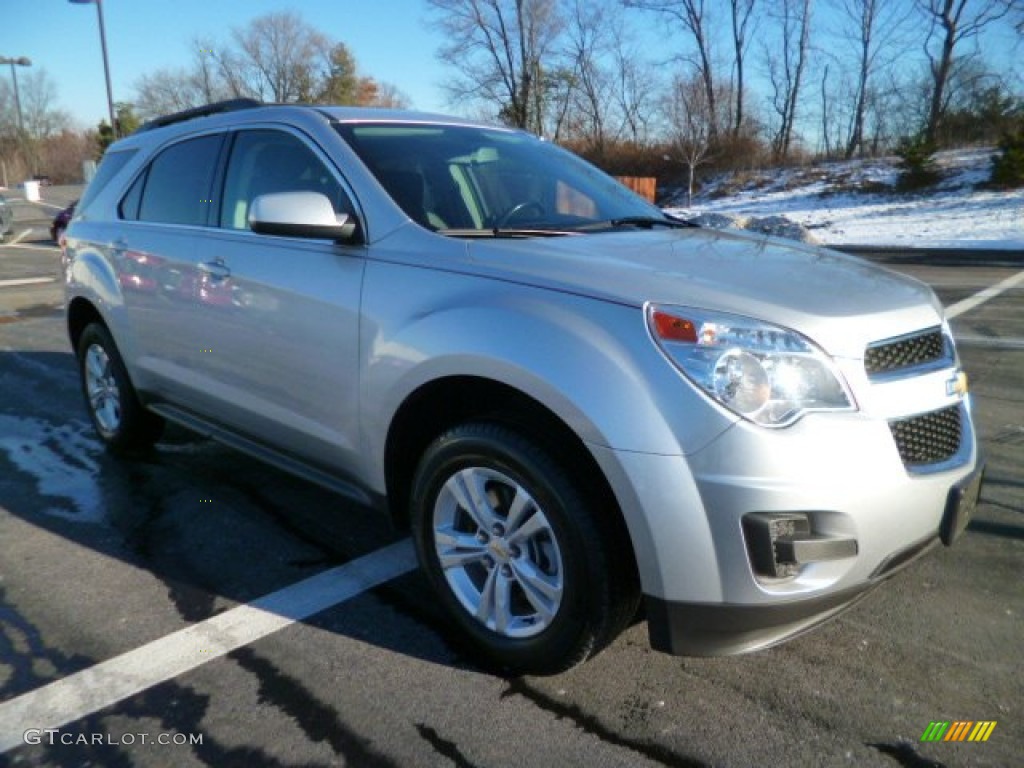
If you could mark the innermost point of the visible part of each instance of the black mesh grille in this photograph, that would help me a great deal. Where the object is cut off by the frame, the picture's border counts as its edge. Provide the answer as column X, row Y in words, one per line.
column 928, row 439
column 913, row 350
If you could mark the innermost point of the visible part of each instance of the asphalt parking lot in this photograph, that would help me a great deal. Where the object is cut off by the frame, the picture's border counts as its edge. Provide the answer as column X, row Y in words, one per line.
column 100, row 558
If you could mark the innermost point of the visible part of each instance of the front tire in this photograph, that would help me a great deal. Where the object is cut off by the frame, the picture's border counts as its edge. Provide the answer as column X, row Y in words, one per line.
column 521, row 558
column 120, row 420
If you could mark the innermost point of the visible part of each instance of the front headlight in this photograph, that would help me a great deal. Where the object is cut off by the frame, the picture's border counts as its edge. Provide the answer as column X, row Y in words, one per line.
column 764, row 373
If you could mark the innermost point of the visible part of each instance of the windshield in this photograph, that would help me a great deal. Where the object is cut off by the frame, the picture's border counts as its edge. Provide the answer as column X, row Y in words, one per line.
column 468, row 181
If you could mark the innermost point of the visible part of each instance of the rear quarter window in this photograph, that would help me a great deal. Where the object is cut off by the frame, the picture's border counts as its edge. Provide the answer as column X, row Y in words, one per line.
column 110, row 166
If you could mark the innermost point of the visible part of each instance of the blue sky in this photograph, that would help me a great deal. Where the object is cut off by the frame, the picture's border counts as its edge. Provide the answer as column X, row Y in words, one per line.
column 392, row 41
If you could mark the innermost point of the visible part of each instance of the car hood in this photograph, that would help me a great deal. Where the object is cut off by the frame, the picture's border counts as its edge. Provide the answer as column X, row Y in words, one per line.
column 841, row 302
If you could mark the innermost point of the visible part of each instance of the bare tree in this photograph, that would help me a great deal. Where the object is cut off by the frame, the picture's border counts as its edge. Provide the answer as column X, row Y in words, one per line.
column 689, row 115
column 693, row 16
column 206, row 81
column 587, row 42
column 279, row 49
column 741, row 13
column 827, row 117
column 236, row 74
column 277, row 57
column 786, row 66
column 61, row 155
column 635, row 86
column 892, row 100
column 384, row 95
column 1016, row 8
column 502, row 50
column 42, row 118
column 40, row 121
column 217, row 72
column 874, row 28
column 951, row 22
column 164, row 91
column 8, row 114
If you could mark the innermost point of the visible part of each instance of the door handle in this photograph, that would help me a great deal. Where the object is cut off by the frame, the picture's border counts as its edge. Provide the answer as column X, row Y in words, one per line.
column 216, row 270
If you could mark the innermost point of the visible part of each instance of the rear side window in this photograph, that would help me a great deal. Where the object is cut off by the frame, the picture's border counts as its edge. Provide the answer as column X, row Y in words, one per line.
column 110, row 165
column 178, row 183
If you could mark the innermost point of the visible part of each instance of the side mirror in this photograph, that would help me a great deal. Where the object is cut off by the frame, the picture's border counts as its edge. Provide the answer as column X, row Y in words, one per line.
column 299, row 214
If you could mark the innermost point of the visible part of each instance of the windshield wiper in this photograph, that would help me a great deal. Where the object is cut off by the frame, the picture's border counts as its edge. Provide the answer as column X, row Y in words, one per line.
column 503, row 232
column 644, row 222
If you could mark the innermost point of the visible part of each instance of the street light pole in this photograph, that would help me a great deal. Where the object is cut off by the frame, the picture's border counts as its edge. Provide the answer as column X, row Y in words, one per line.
column 106, row 61
column 22, row 61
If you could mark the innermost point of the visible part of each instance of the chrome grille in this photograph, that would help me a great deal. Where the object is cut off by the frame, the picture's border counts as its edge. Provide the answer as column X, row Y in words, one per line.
column 905, row 352
column 930, row 438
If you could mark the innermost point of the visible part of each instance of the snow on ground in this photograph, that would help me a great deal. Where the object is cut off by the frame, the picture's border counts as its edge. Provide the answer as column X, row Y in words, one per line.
column 63, row 461
column 853, row 203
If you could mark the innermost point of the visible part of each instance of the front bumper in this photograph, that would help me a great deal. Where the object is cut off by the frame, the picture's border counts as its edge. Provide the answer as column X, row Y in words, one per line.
column 842, row 471
column 700, row 629
column 696, row 629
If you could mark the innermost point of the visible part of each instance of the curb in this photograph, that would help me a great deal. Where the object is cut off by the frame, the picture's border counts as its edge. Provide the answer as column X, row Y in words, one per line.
column 946, row 257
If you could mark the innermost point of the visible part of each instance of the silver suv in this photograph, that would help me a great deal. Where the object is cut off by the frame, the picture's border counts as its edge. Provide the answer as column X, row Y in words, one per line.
column 572, row 400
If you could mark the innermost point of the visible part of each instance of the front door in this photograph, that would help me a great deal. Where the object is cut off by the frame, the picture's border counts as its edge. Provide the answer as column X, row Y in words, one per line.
column 279, row 357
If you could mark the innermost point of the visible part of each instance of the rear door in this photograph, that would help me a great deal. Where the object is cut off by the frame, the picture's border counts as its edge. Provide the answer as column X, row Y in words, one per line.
column 163, row 216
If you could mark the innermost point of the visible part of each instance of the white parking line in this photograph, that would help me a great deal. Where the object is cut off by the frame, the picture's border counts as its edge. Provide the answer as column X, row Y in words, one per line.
column 26, row 281
column 30, row 247
column 21, row 236
column 114, row 680
column 982, row 296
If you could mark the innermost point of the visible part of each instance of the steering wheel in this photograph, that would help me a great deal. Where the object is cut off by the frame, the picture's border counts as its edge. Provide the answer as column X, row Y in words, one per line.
column 517, row 209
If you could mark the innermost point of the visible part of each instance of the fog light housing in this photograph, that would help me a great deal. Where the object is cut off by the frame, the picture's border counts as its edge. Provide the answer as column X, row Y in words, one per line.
column 779, row 543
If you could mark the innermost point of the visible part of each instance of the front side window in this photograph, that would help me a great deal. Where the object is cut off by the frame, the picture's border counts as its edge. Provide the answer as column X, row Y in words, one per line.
column 178, row 183
column 463, row 181
column 268, row 161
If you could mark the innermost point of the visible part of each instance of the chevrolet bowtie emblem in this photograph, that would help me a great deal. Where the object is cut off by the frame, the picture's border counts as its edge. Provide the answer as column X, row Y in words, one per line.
column 957, row 385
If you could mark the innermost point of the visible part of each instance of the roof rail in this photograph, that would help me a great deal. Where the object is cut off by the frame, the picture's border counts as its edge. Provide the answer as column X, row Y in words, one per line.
column 231, row 105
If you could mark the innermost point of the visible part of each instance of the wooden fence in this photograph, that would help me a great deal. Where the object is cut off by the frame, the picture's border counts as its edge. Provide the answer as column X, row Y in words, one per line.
column 642, row 185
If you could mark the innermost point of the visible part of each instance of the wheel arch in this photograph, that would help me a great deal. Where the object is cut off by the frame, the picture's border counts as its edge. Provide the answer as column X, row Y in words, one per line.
column 443, row 403
column 80, row 314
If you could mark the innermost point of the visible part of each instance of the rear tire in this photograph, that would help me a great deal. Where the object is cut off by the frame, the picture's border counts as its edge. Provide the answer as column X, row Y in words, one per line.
column 120, row 420
column 524, row 561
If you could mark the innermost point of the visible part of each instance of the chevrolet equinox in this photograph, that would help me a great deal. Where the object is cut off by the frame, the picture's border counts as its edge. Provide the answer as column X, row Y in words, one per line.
column 576, row 403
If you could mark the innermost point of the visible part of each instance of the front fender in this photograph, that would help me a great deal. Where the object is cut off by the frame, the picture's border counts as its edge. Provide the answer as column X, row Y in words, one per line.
column 590, row 362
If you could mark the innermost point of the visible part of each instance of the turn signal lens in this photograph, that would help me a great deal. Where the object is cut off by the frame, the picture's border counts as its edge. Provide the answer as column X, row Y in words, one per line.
column 672, row 328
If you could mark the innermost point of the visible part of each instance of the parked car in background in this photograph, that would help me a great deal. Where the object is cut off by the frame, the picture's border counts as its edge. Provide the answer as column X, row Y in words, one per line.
column 573, row 401
column 60, row 222
column 6, row 218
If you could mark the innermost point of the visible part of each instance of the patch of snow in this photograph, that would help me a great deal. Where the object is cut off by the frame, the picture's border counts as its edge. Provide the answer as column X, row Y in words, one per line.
column 780, row 226
column 61, row 459
column 852, row 203
column 710, row 220
column 773, row 226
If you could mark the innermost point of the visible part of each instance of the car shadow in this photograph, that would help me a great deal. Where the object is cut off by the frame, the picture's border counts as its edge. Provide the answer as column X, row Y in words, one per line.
column 214, row 526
